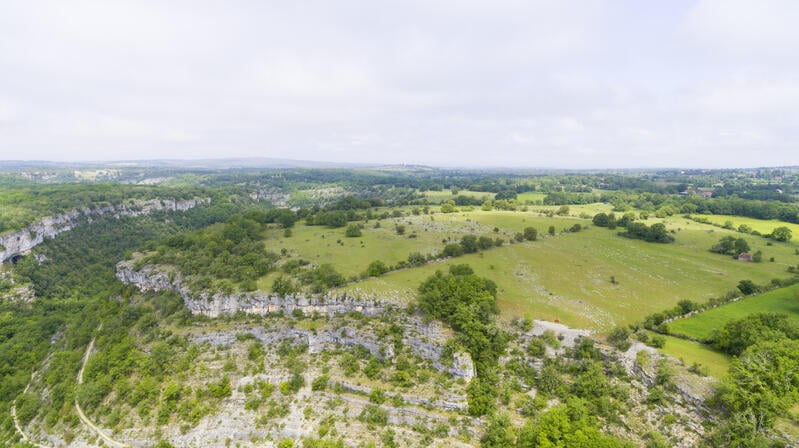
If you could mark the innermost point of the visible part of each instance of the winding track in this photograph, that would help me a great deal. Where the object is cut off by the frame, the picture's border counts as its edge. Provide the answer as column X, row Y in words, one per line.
column 85, row 420
column 24, row 436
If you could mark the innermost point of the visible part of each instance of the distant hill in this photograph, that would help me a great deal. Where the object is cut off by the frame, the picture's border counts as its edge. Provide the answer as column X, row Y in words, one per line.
column 224, row 163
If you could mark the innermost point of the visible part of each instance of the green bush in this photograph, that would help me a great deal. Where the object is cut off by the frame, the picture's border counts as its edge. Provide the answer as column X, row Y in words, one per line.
column 376, row 269
column 374, row 415
column 353, row 231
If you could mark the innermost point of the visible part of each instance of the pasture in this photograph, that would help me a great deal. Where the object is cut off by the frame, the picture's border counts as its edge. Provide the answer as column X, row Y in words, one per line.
column 438, row 197
column 714, row 363
column 530, row 197
column 565, row 277
column 761, row 225
column 702, row 325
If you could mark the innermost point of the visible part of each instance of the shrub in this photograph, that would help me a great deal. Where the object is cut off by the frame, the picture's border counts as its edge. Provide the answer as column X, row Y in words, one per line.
column 221, row 388
column 452, row 250
column 657, row 341
column 376, row 269
column 739, row 334
column 353, row 231
column 781, row 234
column 748, row 287
column 657, row 233
column 374, row 415
column 619, row 338
column 320, row 383
column 283, row 286
column 416, row 259
column 485, row 242
column 469, row 244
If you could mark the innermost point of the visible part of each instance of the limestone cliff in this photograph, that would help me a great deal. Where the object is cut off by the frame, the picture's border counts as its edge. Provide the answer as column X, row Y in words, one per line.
column 426, row 339
column 151, row 278
column 21, row 241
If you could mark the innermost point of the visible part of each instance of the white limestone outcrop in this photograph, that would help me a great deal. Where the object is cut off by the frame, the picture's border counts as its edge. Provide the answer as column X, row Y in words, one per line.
column 21, row 241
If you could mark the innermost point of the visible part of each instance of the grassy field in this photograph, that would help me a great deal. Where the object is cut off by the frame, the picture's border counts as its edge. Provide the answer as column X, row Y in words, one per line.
column 566, row 277
column 437, row 197
column 702, row 325
column 715, row 363
column 530, row 197
column 763, row 226
column 351, row 256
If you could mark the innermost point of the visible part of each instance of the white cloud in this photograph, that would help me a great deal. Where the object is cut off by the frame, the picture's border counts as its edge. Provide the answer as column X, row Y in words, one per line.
column 752, row 98
column 8, row 112
column 513, row 82
column 746, row 29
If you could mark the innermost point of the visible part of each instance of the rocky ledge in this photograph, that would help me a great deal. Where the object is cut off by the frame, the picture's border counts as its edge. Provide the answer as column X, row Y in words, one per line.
column 426, row 339
column 21, row 241
column 151, row 278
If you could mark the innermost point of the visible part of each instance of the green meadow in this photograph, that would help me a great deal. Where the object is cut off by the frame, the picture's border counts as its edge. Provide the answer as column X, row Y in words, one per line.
column 701, row 326
column 530, row 197
column 715, row 364
column 437, row 197
column 565, row 277
column 761, row 225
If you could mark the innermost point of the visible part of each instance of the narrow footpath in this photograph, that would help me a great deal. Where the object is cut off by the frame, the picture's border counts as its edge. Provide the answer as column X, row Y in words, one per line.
column 88, row 423
column 24, row 436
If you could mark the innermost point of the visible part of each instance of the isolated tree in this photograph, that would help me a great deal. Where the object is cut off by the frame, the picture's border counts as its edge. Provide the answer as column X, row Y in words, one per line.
column 604, row 220
column 782, row 234
column 353, row 231
column 485, row 242
column 740, row 247
column 659, row 234
column 376, row 268
column 600, row 219
column 530, row 233
column 724, row 246
column 452, row 250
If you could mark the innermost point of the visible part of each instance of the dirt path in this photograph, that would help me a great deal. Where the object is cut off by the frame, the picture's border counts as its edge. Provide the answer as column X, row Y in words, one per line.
column 14, row 409
column 25, row 437
column 100, row 433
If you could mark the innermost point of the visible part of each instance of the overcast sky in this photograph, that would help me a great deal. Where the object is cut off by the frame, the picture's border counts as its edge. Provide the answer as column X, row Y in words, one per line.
column 583, row 84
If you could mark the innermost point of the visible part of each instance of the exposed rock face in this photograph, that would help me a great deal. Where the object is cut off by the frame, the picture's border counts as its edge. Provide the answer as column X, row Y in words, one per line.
column 150, row 278
column 21, row 241
column 426, row 339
